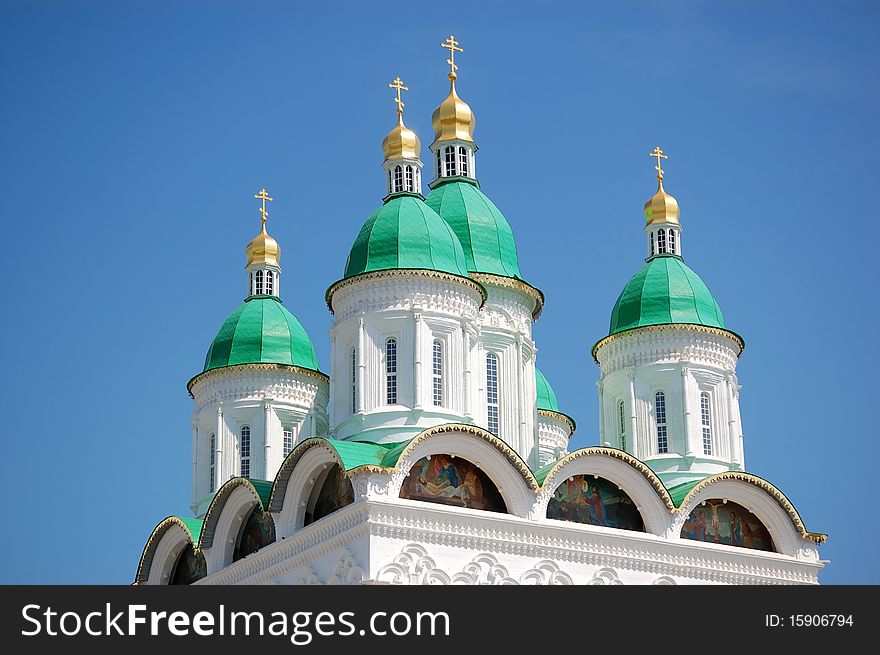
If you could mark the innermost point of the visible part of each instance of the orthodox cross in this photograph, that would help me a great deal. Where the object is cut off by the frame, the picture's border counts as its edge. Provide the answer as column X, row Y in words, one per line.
column 659, row 155
column 264, row 196
column 452, row 45
column 398, row 84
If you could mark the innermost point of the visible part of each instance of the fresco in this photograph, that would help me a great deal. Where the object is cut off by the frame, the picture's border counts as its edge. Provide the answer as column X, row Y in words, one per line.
column 594, row 501
column 190, row 566
column 726, row 523
column 258, row 531
column 452, row 481
column 336, row 492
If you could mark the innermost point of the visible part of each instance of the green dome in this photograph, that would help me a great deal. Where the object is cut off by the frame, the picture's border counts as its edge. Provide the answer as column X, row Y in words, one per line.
column 665, row 291
column 546, row 396
column 405, row 233
column 261, row 331
column 483, row 231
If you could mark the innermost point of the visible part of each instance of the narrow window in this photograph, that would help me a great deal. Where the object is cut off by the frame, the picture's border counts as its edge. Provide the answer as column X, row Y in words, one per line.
column 245, row 451
column 270, row 282
column 450, row 160
column 353, row 380
column 398, row 179
column 438, row 372
column 622, row 424
column 660, row 415
column 439, row 163
column 492, row 392
column 418, row 188
column 661, row 241
column 391, row 371
column 706, row 420
column 390, row 184
column 409, row 178
column 288, row 441
column 462, row 160
column 259, row 288
column 651, row 252
column 213, row 455
column 672, row 241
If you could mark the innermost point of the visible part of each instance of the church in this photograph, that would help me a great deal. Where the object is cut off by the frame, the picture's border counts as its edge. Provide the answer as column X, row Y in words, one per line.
column 434, row 451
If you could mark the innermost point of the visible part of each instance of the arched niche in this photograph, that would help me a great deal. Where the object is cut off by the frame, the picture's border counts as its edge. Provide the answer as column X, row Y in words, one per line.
column 450, row 480
column 257, row 532
column 593, row 500
column 189, row 567
column 722, row 521
column 332, row 491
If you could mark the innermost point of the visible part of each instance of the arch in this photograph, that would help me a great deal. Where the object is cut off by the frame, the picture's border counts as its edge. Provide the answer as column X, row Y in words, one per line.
column 661, row 241
column 671, row 237
column 391, row 371
column 634, row 478
column 437, row 360
column 759, row 497
column 270, row 282
column 462, row 161
column 409, row 183
column 258, row 287
column 662, row 441
column 244, row 451
column 230, row 508
column 722, row 521
column 398, row 179
column 189, row 567
column 167, row 540
column 594, row 500
column 502, row 465
column 257, row 532
column 330, row 491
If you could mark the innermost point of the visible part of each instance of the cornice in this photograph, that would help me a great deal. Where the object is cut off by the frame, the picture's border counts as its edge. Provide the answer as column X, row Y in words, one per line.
column 236, row 368
column 559, row 416
column 647, row 329
column 517, row 285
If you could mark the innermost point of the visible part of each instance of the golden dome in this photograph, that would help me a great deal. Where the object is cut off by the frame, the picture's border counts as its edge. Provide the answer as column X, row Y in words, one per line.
column 401, row 142
column 263, row 249
column 661, row 207
column 453, row 119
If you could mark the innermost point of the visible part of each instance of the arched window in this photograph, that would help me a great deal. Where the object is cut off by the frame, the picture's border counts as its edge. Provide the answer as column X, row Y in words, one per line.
column 706, row 420
column 391, row 371
column 438, row 372
column 439, row 163
column 418, row 188
column 390, row 183
column 398, row 179
column 661, row 241
column 450, row 160
column 270, row 282
column 651, row 252
column 492, row 393
column 660, row 415
column 353, row 380
column 450, row 480
column 621, row 422
column 258, row 289
column 672, row 241
column 211, row 483
column 409, row 178
column 245, row 450
column 288, row 440
column 462, row 160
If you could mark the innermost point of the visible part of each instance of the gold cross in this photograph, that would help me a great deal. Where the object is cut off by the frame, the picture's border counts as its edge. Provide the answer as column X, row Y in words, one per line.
column 452, row 45
column 659, row 155
column 398, row 84
column 264, row 196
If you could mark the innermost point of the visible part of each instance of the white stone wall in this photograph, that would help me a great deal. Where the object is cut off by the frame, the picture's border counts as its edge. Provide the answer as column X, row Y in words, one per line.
column 683, row 362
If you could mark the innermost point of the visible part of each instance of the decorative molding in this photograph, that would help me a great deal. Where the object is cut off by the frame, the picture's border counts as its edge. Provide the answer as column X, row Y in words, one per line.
column 559, row 416
column 664, row 330
column 524, row 288
column 236, row 368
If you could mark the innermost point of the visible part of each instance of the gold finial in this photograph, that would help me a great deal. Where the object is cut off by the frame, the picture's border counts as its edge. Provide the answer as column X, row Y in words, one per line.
column 264, row 196
column 398, row 84
column 659, row 155
column 452, row 45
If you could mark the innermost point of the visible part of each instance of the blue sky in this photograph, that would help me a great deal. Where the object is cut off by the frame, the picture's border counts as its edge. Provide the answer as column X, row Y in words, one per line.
column 133, row 136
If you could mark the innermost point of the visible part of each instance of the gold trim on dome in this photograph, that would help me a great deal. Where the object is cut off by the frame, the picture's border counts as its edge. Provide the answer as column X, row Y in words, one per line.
column 624, row 457
column 155, row 536
column 485, row 435
column 256, row 366
column 517, row 285
column 396, row 272
column 559, row 416
column 762, row 484
column 222, row 495
column 705, row 329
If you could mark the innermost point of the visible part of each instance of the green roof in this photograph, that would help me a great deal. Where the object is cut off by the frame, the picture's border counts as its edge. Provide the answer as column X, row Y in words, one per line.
column 665, row 291
column 194, row 527
column 545, row 396
column 261, row 331
column 263, row 489
column 679, row 491
column 483, row 231
column 360, row 453
column 405, row 233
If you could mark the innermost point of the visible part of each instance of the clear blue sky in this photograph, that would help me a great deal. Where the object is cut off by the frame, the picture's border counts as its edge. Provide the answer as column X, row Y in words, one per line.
column 133, row 136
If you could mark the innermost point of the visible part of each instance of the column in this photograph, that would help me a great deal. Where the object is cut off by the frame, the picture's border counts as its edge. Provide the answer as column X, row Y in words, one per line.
column 691, row 448
column 600, row 389
column 334, row 371
column 520, row 401
column 195, row 457
column 646, row 448
column 218, row 454
column 466, row 340
column 361, row 366
column 267, row 437
column 417, row 362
